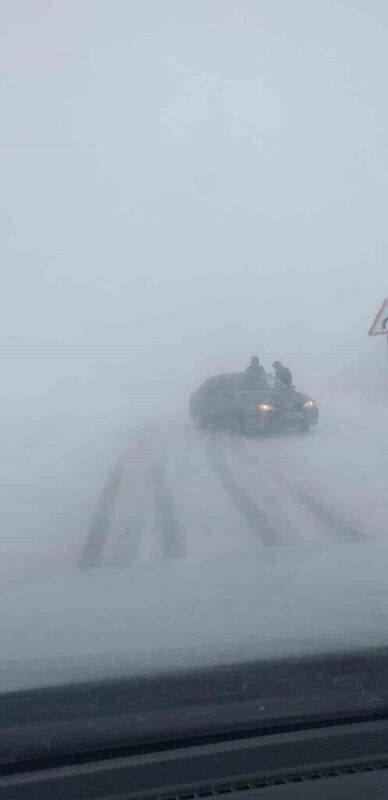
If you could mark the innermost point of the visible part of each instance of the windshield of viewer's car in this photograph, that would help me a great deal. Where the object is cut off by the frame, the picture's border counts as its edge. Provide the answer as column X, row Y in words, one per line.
column 193, row 418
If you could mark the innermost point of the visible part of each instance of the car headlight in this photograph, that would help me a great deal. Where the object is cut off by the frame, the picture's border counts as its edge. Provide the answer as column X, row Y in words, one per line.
column 264, row 407
column 309, row 404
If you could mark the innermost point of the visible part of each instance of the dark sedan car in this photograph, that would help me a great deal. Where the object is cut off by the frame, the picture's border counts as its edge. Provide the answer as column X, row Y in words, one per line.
column 224, row 401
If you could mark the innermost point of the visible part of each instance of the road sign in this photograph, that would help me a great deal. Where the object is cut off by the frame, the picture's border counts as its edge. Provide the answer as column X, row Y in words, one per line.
column 379, row 326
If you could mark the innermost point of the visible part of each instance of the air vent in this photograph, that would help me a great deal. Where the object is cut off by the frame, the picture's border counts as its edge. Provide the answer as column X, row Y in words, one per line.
column 200, row 793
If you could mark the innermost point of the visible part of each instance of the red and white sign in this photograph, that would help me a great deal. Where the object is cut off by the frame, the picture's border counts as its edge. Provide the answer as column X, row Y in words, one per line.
column 379, row 326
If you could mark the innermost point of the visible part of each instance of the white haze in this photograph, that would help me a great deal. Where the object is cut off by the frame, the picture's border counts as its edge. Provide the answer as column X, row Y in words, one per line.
column 183, row 184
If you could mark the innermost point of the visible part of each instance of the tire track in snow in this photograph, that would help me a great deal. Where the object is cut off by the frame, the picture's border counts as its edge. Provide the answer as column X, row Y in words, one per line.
column 252, row 514
column 170, row 530
column 130, row 514
column 127, row 546
column 93, row 549
column 330, row 518
column 101, row 530
column 320, row 511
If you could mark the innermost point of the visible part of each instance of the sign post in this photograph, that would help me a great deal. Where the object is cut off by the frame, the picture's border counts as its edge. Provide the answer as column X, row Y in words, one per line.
column 379, row 325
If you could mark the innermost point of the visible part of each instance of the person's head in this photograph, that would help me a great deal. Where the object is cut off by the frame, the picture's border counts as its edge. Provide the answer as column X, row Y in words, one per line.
column 276, row 364
column 255, row 362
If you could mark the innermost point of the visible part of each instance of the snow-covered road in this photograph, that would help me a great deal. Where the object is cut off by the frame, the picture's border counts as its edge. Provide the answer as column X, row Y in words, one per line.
column 79, row 491
column 181, row 493
column 117, row 538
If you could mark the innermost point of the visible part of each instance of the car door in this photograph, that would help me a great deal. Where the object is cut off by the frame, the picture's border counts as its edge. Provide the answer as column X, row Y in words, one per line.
column 214, row 399
column 222, row 398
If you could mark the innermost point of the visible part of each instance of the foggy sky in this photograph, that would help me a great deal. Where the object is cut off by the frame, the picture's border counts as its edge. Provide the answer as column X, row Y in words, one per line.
column 186, row 183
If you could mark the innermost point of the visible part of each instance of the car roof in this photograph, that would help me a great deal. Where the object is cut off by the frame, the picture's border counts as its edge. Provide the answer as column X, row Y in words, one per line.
column 236, row 379
column 233, row 377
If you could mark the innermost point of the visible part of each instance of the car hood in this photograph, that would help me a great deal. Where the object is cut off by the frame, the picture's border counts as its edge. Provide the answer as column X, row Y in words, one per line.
column 108, row 622
column 288, row 397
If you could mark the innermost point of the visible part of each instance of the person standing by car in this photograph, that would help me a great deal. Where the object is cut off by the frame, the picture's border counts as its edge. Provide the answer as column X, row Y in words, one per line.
column 282, row 373
column 255, row 374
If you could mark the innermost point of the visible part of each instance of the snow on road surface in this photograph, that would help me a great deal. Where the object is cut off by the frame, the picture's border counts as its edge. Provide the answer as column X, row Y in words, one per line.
column 51, row 472
column 79, row 493
column 183, row 493
column 220, row 546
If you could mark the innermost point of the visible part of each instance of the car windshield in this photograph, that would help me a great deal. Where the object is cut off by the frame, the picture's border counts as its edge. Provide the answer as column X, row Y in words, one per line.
column 193, row 417
column 273, row 383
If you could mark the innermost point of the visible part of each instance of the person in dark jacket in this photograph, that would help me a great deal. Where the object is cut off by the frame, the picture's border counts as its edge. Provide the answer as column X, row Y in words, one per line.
column 282, row 373
column 255, row 375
